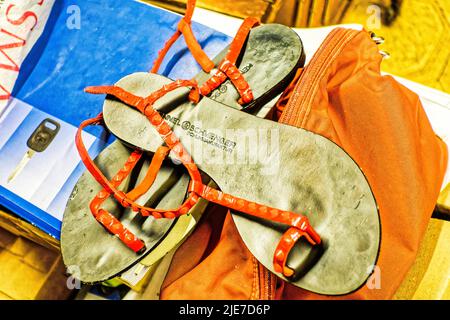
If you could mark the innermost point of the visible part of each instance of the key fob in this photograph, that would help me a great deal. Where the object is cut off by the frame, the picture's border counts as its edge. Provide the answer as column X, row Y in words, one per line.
column 43, row 135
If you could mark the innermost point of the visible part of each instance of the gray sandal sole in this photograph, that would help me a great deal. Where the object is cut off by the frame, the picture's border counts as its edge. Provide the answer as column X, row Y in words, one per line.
column 304, row 172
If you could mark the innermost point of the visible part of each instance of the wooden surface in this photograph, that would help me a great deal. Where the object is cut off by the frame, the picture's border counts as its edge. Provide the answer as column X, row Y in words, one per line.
column 429, row 277
column 264, row 9
column 444, row 201
column 20, row 227
column 29, row 271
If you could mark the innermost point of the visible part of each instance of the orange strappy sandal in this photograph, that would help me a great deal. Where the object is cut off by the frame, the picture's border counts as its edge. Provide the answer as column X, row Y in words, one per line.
column 227, row 85
column 347, row 222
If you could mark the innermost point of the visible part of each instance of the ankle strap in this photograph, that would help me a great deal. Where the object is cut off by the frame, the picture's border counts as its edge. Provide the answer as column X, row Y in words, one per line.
column 227, row 67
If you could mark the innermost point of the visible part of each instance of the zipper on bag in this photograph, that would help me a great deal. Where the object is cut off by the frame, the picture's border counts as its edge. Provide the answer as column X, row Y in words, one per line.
column 297, row 109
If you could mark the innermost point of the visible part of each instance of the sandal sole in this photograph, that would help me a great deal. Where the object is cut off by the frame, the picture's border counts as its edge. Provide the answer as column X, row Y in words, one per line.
column 306, row 173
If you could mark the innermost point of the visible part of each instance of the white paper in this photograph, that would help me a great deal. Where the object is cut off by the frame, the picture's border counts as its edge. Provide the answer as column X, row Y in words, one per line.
column 21, row 24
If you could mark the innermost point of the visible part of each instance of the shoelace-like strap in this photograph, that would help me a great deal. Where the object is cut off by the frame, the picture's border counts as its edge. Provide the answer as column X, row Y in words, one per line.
column 184, row 28
column 299, row 224
column 227, row 67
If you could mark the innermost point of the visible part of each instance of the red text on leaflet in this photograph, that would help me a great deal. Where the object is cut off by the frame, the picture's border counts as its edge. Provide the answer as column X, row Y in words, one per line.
column 15, row 41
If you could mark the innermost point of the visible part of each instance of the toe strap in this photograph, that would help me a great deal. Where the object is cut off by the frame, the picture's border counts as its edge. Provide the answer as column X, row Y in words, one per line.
column 284, row 247
column 184, row 28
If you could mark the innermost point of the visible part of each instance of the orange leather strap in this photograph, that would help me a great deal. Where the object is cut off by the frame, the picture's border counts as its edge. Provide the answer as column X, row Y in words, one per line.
column 157, row 160
column 111, row 223
column 145, row 105
column 184, row 28
column 284, row 247
column 110, row 187
column 299, row 223
column 227, row 68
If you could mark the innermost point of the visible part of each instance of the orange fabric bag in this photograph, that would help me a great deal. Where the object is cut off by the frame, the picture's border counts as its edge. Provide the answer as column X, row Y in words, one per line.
column 382, row 125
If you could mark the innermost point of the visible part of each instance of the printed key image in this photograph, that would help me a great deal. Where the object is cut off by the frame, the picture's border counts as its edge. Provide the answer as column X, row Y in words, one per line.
column 39, row 157
column 39, row 140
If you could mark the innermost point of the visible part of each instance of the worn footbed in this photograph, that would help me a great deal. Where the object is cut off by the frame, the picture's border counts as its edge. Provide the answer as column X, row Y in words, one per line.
column 275, row 165
column 97, row 263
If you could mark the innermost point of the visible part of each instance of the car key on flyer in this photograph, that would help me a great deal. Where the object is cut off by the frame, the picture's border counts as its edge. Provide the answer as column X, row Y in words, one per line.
column 39, row 140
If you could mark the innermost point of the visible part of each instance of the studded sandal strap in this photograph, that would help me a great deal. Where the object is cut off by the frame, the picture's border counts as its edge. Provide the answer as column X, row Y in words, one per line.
column 290, row 218
column 227, row 68
column 284, row 247
column 111, row 223
column 144, row 105
column 184, row 28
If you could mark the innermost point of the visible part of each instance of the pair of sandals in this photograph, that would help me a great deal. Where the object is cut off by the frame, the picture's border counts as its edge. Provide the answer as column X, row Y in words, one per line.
column 300, row 203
